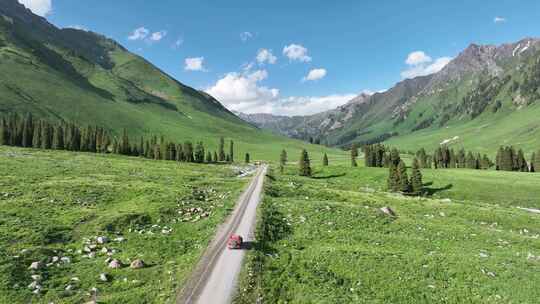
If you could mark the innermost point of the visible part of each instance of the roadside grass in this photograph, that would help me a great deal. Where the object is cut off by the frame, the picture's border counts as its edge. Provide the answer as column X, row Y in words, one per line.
column 54, row 204
column 339, row 248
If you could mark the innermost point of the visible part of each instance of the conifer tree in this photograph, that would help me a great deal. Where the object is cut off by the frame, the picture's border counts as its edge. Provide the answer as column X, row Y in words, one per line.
column 402, row 178
column 325, row 160
column 215, row 157
column 45, row 136
column 392, row 178
column 199, row 152
column 395, row 159
column 179, row 153
column 28, row 131
column 124, row 143
column 416, row 178
column 188, row 152
column 3, row 132
column 304, row 163
column 354, row 155
column 221, row 149
column 533, row 163
column 247, row 158
column 36, row 140
column 231, row 151
column 58, row 138
column 282, row 160
column 209, row 157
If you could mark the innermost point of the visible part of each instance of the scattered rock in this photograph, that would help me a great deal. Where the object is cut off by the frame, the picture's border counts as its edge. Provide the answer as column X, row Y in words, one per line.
column 103, row 277
column 137, row 264
column 65, row 260
column 102, row 239
column 104, row 250
column 34, row 285
column 35, row 266
column 119, row 239
column 388, row 211
column 115, row 264
column 69, row 287
column 446, row 201
column 36, row 277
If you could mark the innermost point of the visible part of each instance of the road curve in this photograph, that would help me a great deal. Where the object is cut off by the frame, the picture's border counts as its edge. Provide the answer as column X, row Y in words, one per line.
column 215, row 276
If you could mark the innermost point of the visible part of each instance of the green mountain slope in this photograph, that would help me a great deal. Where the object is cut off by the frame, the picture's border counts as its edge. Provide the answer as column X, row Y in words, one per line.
column 80, row 76
column 485, row 97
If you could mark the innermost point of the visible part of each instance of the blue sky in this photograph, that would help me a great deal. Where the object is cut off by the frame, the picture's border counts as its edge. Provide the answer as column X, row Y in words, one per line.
column 313, row 55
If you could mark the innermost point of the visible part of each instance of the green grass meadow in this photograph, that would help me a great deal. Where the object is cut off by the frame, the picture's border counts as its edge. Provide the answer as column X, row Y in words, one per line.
column 326, row 241
column 54, row 204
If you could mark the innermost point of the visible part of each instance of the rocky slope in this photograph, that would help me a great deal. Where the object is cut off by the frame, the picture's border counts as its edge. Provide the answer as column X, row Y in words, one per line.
column 483, row 83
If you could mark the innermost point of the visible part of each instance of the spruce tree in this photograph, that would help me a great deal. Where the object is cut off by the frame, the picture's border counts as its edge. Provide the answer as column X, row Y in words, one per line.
column 221, row 149
column 209, row 157
column 416, row 178
column 199, row 152
column 533, row 163
column 3, row 132
column 188, row 152
column 325, row 160
column 247, row 158
column 392, row 178
column 124, row 143
column 45, row 136
column 231, row 151
column 28, row 131
column 402, row 178
column 215, row 157
column 282, row 160
column 304, row 163
column 354, row 155
column 36, row 140
column 58, row 138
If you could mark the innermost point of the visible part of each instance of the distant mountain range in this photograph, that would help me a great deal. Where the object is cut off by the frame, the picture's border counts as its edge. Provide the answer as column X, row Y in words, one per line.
column 485, row 97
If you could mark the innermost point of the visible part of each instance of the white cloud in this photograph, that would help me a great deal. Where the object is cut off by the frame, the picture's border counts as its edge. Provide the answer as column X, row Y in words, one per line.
column 499, row 19
column 157, row 36
column 296, row 52
column 244, row 93
column 265, row 55
column 420, row 64
column 315, row 74
column 194, row 64
column 77, row 27
column 38, row 7
column 417, row 57
column 245, row 36
column 139, row 34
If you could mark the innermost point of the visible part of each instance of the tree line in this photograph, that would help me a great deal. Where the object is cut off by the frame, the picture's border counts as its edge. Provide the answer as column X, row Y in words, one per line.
column 29, row 132
column 508, row 159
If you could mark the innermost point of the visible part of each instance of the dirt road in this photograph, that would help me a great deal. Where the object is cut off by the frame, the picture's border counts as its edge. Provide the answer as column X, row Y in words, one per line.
column 214, row 279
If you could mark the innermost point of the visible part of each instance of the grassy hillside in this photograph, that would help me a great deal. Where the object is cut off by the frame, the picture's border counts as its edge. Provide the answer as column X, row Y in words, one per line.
column 83, row 77
column 54, row 204
column 325, row 240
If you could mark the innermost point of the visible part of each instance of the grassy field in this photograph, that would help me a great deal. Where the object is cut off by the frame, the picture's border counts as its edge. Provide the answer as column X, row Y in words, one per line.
column 324, row 240
column 54, row 204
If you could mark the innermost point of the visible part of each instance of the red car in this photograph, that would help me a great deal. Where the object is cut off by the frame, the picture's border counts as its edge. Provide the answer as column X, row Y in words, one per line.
column 235, row 242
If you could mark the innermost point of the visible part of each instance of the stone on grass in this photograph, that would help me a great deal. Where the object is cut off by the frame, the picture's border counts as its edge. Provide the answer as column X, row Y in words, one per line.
column 388, row 211
column 102, row 239
column 65, row 260
column 34, row 285
column 137, row 264
column 104, row 250
column 36, row 277
column 104, row 277
column 115, row 264
column 35, row 266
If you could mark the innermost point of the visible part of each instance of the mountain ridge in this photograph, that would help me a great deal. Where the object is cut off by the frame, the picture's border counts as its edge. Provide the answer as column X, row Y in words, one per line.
column 479, row 78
